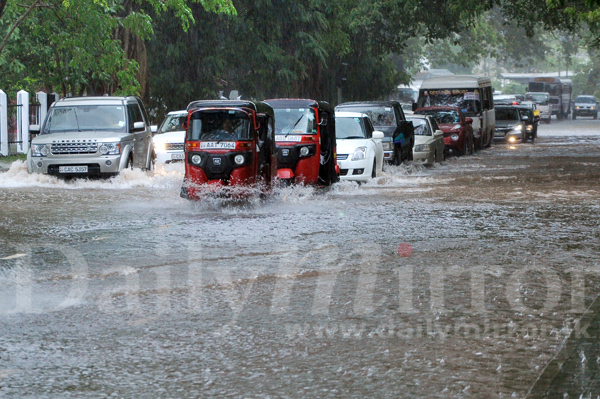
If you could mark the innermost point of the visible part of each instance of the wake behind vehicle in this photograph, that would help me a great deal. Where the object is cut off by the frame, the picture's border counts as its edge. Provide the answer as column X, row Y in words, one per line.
column 360, row 154
column 305, row 138
column 169, row 139
column 387, row 117
column 92, row 137
column 229, row 149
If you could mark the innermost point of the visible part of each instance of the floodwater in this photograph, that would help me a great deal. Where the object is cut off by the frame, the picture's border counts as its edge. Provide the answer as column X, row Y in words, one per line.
column 477, row 277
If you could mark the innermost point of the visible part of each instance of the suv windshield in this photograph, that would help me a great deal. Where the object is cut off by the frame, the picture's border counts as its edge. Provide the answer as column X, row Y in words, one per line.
column 585, row 100
column 380, row 116
column 173, row 123
column 465, row 99
column 295, row 121
column 349, row 128
column 80, row 118
column 507, row 114
column 228, row 125
column 442, row 117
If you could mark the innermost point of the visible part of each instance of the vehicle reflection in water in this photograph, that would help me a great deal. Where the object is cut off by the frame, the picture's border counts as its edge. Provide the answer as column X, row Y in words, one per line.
column 127, row 289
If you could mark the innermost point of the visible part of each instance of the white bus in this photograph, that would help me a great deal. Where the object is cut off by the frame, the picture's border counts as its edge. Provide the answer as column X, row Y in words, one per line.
column 472, row 94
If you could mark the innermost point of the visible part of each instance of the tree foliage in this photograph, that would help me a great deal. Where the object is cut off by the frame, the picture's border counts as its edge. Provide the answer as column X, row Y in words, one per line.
column 174, row 51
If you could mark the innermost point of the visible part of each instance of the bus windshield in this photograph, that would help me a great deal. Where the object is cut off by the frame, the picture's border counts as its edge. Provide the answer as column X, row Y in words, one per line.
column 295, row 121
column 465, row 99
column 221, row 125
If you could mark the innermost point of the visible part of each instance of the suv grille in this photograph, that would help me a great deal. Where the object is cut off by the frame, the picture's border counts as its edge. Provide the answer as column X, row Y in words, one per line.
column 174, row 147
column 74, row 148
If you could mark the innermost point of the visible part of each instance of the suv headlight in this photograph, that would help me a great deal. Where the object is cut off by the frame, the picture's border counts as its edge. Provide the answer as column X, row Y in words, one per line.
column 40, row 150
column 388, row 146
column 517, row 128
column 421, row 148
column 359, row 153
column 110, row 148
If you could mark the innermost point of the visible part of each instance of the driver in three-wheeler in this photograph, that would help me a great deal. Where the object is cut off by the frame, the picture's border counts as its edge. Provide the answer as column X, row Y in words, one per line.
column 305, row 137
column 229, row 149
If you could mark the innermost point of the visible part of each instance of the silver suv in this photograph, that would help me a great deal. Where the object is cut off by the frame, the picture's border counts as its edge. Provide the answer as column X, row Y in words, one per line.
column 92, row 136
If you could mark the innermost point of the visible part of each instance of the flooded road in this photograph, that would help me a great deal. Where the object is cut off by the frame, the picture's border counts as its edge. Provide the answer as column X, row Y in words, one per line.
column 474, row 278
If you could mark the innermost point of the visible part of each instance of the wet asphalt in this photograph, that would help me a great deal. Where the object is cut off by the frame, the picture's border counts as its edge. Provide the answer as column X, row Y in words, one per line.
column 477, row 277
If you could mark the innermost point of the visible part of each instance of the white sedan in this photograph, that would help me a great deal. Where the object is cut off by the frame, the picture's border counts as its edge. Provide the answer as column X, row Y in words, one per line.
column 170, row 138
column 359, row 148
column 429, row 140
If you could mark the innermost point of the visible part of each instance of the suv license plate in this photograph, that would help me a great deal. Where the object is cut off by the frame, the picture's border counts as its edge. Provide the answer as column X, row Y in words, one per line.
column 72, row 169
column 179, row 156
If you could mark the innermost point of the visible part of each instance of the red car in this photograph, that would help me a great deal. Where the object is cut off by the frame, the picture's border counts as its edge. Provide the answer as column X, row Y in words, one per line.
column 458, row 129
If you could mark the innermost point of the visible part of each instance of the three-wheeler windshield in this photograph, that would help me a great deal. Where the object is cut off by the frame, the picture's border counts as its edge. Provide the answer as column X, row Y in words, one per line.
column 295, row 121
column 219, row 125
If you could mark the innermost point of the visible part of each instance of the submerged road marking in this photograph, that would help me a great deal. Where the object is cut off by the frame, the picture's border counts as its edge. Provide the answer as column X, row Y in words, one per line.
column 15, row 256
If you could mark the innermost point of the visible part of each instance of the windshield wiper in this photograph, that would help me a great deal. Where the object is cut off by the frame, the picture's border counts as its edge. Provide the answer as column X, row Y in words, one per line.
column 77, row 120
column 295, row 124
column 353, row 137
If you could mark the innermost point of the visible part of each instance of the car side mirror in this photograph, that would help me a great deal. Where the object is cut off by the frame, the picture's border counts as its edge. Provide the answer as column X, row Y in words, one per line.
column 153, row 129
column 377, row 135
column 35, row 129
column 324, row 120
column 138, row 126
column 525, row 118
column 468, row 120
column 438, row 133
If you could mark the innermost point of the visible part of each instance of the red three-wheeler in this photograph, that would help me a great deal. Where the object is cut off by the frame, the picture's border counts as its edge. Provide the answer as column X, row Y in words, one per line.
column 305, row 138
column 229, row 149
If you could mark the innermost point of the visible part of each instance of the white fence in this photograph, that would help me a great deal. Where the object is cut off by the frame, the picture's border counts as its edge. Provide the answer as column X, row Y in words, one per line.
column 16, row 118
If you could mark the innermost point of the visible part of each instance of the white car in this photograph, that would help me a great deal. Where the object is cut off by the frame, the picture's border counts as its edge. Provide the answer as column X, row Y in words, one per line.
column 170, row 139
column 429, row 140
column 359, row 148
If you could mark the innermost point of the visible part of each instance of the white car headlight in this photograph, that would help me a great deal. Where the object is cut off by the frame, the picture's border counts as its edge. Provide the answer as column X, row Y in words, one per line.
column 359, row 153
column 388, row 146
column 421, row 148
column 110, row 148
column 40, row 150
column 454, row 137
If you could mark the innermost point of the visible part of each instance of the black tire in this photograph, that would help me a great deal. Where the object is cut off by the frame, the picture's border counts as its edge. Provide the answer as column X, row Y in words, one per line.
column 129, row 164
column 465, row 149
column 374, row 171
column 574, row 116
column 410, row 153
column 152, row 162
column 596, row 116
column 397, row 156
